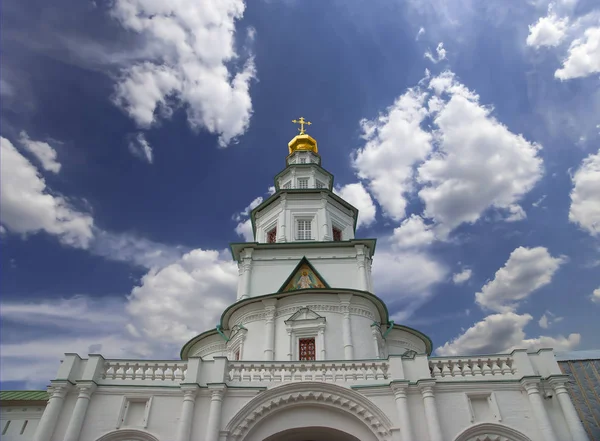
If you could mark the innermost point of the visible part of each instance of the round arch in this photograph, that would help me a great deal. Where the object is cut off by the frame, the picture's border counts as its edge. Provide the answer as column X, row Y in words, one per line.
column 310, row 394
column 128, row 435
column 491, row 432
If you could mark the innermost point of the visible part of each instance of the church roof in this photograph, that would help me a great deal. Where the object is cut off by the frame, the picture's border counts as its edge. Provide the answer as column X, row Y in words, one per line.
column 7, row 396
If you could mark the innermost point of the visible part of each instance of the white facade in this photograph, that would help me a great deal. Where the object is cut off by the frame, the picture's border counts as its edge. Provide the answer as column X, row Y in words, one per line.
column 249, row 379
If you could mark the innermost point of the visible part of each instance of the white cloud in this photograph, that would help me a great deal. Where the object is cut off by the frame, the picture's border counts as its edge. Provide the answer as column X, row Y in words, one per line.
column 405, row 280
column 194, row 46
column 244, row 229
column 140, row 148
column 543, row 322
column 43, row 152
column 28, row 207
column 583, row 58
column 548, row 31
column 356, row 195
column 595, row 297
column 395, row 141
column 537, row 203
column 526, row 270
column 462, row 277
column 441, row 54
column 412, row 233
column 548, row 319
column 472, row 147
column 421, row 32
column 501, row 333
column 585, row 196
column 185, row 298
column 515, row 213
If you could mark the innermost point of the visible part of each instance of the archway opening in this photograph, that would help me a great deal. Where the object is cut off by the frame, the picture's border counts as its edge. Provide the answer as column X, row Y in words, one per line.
column 312, row 434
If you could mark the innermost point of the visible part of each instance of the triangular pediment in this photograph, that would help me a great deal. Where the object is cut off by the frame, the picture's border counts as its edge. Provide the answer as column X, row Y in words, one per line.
column 304, row 276
column 304, row 314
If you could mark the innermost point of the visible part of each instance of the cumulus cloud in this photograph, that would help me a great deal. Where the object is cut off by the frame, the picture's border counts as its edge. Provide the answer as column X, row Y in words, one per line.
column 413, row 232
column 394, row 141
column 472, row 147
column 193, row 47
column 244, row 224
column 500, row 333
column 462, row 277
column 448, row 165
column 140, row 148
column 585, row 196
column 595, row 297
column 43, row 152
column 358, row 196
column 526, row 270
column 583, row 58
column 174, row 303
column 405, row 280
column 440, row 51
column 515, row 213
column 548, row 31
column 547, row 319
column 28, row 206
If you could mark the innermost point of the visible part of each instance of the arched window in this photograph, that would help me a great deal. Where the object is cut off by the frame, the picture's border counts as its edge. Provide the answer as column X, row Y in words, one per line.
column 128, row 435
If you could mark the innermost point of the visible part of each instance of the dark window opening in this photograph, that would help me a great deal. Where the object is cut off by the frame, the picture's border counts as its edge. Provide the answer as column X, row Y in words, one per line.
column 272, row 236
column 337, row 234
column 307, row 349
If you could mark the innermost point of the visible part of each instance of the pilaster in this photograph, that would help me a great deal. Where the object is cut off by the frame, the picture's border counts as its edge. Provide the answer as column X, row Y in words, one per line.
column 85, row 390
column 532, row 387
column 186, row 419
column 400, row 390
column 347, row 326
column 213, row 425
column 559, row 385
column 45, row 429
column 270, row 309
column 361, row 264
column 431, row 413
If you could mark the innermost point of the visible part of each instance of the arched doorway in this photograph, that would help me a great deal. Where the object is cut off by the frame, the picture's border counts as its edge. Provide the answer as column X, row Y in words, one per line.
column 491, row 432
column 310, row 409
column 312, row 434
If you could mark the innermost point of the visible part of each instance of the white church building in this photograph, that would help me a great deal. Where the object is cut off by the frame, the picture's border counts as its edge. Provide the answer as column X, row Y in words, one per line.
column 307, row 353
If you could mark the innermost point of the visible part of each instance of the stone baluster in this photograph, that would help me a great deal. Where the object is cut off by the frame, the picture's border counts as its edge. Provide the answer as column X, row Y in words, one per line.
column 184, row 430
column 47, row 424
column 573, row 422
column 431, row 414
column 213, row 425
column 400, row 390
column 78, row 415
column 532, row 386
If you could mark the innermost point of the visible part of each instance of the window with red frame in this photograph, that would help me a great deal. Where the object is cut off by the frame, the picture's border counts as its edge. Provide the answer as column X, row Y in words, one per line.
column 272, row 236
column 307, row 349
column 337, row 234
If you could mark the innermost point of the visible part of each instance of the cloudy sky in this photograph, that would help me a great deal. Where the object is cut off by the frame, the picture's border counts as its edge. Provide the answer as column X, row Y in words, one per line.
column 138, row 134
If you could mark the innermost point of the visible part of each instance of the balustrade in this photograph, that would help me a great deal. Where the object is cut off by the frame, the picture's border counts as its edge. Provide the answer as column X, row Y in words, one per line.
column 149, row 371
column 471, row 368
column 307, row 371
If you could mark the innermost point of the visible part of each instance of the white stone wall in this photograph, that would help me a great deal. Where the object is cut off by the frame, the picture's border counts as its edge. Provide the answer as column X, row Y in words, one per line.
column 368, row 409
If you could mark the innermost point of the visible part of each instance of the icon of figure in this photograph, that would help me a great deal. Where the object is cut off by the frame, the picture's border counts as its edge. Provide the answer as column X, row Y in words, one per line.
column 304, row 282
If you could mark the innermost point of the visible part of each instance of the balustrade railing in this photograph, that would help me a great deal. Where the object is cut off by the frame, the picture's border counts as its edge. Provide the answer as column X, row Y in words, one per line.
column 483, row 367
column 144, row 371
column 307, row 371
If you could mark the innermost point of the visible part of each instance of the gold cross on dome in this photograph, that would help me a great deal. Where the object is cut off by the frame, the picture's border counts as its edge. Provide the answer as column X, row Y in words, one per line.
column 301, row 121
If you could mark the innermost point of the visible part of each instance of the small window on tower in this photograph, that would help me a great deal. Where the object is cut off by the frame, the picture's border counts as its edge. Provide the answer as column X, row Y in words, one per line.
column 272, row 235
column 337, row 234
column 287, row 185
column 303, row 229
column 237, row 355
column 302, row 160
column 306, row 349
column 302, row 182
column 320, row 184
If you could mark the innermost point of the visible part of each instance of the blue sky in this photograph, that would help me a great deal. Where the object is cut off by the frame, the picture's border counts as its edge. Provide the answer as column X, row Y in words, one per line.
column 136, row 134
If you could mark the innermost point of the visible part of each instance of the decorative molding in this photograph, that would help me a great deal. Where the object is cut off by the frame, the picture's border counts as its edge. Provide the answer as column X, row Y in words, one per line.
column 279, row 398
column 128, row 435
column 491, row 432
column 215, row 347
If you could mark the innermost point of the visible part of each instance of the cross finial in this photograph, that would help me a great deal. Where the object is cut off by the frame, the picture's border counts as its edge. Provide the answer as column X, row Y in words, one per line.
column 302, row 122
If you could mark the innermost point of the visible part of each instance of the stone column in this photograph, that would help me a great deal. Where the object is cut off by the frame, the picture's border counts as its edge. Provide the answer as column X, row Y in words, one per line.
column 184, row 429
column 247, row 272
column 576, row 429
column 431, row 414
column 532, row 386
column 374, row 332
column 270, row 328
column 347, row 326
column 322, row 342
column 78, row 415
column 47, row 424
column 400, row 390
column 291, row 343
column 362, row 267
column 281, row 219
column 213, row 425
